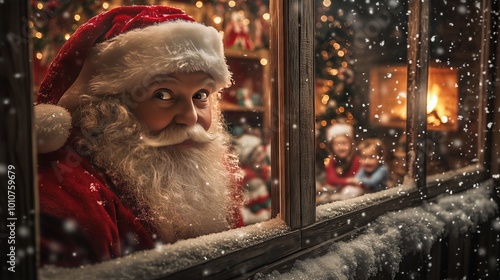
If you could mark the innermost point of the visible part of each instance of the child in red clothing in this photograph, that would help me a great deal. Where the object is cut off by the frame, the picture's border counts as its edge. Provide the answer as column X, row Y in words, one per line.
column 344, row 164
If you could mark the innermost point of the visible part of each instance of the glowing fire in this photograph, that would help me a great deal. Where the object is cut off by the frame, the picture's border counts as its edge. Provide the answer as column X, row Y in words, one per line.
column 432, row 99
column 389, row 93
column 436, row 115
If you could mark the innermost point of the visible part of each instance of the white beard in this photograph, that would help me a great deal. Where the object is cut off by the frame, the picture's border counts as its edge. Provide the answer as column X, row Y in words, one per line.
column 182, row 191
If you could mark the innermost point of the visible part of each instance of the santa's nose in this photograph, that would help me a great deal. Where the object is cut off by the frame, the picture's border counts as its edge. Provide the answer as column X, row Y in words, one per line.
column 186, row 114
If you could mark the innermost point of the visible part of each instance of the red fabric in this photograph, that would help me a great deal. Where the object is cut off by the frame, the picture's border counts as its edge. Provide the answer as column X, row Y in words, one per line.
column 334, row 179
column 82, row 221
column 256, row 203
column 68, row 63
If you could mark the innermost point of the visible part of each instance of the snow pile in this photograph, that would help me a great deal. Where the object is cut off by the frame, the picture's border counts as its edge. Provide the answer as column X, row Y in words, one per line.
column 169, row 258
column 339, row 208
column 391, row 236
column 380, row 247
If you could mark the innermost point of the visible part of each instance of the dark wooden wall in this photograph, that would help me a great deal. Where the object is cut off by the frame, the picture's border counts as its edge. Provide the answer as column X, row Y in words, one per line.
column 17, row 200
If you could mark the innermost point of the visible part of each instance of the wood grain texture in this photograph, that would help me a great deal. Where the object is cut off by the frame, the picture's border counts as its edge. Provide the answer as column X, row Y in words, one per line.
column 16, row 140
column 418, row 69
column 290, row 89
column 306, row 125
column 242, row 263
column 482, row 148
column 276, row 107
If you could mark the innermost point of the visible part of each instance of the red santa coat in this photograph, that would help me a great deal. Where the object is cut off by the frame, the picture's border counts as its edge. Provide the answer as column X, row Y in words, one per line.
column 82, row 220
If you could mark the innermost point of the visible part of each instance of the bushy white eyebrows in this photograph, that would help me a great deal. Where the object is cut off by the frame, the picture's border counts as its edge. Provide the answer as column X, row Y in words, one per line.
column 207, row 83
column 211, row 84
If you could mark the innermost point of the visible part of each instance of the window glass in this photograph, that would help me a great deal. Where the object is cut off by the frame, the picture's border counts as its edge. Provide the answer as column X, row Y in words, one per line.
column 245, row 106
column 453, row 96
column 361, row 58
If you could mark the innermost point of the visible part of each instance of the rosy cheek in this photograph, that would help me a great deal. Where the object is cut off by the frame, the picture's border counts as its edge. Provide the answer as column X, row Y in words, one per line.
column 207, row 124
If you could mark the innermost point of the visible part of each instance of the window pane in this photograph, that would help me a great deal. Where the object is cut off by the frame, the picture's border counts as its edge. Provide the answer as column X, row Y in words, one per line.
column 454, row 85
column 361, row 59
column 245, row 107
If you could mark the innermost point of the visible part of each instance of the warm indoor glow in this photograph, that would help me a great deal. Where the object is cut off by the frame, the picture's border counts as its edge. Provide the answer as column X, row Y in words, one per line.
column 388, row 97
column 217, row 20
column 332, row 71
column 325, row 99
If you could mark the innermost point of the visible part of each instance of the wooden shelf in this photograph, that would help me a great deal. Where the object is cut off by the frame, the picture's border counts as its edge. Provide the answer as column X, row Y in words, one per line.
column 251, row 73
column 235, row 53
column 225, row 106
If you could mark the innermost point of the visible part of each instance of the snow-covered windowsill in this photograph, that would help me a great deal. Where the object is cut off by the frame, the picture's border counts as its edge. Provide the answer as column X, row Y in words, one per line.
column 166, row 259
column 391, row 236
column 381, row 246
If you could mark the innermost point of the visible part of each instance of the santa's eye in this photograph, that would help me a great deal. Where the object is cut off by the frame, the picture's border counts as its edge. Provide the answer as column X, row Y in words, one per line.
column 201, row 95
column 163, row 94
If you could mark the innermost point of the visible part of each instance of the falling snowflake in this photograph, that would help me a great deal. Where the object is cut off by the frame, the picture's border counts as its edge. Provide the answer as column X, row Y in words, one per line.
column 69, row 226
column 101, row 202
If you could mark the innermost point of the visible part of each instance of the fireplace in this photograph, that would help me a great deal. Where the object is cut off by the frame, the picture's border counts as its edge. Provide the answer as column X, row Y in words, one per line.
column 388, row 97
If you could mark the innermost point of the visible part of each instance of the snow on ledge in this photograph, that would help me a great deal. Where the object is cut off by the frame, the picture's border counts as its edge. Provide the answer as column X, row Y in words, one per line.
column 165, row 259
column 395, row 234
column 339, row 208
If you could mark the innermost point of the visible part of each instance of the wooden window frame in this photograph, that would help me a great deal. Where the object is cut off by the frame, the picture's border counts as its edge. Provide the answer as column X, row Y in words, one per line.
column 16, row 129
column 293, row 122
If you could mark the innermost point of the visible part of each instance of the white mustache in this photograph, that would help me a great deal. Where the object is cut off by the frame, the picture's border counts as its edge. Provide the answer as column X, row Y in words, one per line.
column 176, row 135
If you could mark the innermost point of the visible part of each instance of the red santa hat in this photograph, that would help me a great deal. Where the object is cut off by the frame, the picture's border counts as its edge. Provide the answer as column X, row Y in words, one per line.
column 119, row 51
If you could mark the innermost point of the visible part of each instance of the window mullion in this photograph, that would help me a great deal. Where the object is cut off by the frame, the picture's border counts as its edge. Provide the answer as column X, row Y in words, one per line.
column 307, row 135
column 289, row 90
column 418, row 69
column 486, row 51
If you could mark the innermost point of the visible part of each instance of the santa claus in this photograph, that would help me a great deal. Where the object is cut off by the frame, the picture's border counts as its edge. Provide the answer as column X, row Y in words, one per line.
column 132, row 148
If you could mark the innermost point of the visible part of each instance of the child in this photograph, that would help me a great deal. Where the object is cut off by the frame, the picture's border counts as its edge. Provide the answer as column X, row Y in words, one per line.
column 344, row 163
column 373, row 173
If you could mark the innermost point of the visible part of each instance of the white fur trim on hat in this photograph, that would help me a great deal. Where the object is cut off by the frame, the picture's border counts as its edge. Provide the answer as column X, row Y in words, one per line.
column 131, row 60
column 52, row 126
column 338, row 130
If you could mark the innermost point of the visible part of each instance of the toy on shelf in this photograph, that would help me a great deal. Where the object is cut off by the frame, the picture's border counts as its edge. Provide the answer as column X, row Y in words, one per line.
column 236, row 33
